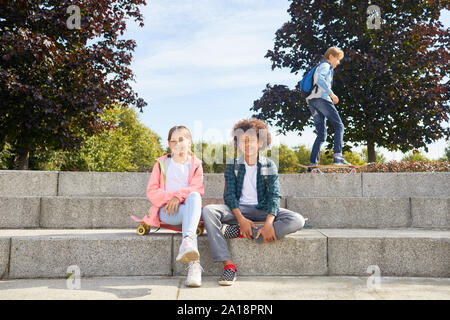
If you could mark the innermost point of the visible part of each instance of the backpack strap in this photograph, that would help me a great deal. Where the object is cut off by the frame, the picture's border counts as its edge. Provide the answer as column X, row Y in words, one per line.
column 163, row 166
column 314, row 85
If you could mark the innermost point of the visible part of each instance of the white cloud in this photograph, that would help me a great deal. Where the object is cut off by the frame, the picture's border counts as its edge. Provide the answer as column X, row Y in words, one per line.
column 224, row 50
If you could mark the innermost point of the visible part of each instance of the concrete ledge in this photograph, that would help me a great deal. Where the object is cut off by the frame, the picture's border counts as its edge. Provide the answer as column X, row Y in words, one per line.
column 76, row 212
column 105, row 252
column 317, row 185
column 330, row 212
column 323, row 212
column 92, row 212
column 395, row 252
column 96, row 254
column 109, row 184
column 430, row 212
column 123, row 184
column 134, row 184
column 406, row 184
column 28, row 183
column 301, row 253
column 5, row 244
column 19, row 212
column 97, row 212
column 214, row 185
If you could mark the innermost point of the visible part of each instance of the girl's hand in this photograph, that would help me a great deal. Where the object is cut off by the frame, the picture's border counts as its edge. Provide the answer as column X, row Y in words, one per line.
column 172, row 206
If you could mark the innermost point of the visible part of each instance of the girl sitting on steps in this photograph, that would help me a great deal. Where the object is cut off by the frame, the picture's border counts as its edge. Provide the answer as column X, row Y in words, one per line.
column 175, row 189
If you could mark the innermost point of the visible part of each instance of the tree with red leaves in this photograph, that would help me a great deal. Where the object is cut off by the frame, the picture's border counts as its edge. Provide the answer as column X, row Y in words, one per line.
column 390, row 83
column 62, row 64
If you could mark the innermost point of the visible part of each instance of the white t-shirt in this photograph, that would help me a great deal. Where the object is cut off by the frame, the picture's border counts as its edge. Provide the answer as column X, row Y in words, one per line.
column 249, row 195
column 177, row 176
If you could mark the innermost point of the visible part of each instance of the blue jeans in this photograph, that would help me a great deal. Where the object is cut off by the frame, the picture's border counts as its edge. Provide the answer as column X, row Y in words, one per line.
column 188, row 215
column 321, row 109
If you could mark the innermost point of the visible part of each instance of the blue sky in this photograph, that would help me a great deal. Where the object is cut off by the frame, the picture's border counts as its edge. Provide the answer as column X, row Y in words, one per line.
column 200, row 63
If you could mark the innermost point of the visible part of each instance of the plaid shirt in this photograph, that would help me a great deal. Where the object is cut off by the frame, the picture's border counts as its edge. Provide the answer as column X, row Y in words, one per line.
column 268, row 196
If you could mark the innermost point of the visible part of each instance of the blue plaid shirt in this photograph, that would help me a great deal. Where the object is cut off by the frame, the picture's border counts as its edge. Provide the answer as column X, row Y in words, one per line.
column 268, row 195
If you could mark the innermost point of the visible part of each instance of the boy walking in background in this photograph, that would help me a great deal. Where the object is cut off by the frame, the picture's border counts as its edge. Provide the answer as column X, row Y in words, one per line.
column 321, row 104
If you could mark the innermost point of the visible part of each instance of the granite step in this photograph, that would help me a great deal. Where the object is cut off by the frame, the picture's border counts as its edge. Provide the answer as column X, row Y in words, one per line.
column 134, row 184
column 77, row 212
column 48, row 253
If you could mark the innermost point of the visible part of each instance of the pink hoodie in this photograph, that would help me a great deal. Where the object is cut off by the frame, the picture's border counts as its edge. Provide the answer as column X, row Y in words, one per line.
column 156, row 191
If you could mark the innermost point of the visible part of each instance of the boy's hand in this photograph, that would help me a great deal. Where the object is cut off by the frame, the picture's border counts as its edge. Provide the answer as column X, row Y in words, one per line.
column 246, row 226
column 172, row 206
column 334, row 98
column 268, row 232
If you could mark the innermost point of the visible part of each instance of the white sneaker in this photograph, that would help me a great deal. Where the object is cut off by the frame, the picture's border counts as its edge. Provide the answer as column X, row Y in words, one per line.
column 187, row 252
column 194, row 277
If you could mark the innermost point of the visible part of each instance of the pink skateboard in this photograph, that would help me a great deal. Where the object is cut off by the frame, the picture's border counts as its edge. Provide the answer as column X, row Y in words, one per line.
column 144, row 228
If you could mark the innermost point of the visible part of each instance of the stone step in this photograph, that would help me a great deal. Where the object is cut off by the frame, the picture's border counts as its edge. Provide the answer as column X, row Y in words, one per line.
column 74, row 212
column 78, row 212
column 386, row 212
column 134, row 184
column 111, row 252
column 395, row 252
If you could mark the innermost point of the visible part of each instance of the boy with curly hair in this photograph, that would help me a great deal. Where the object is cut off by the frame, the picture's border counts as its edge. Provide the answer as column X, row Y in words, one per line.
column 252, row 194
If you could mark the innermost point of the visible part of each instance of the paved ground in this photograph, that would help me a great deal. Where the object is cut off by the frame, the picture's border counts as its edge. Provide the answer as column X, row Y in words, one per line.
column 246, row 288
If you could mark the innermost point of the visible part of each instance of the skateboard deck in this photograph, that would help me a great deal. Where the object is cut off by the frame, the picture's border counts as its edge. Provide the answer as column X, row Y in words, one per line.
column 144, row 228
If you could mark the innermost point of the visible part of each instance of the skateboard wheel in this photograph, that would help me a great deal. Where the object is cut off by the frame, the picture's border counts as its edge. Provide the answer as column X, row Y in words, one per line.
column 199, row 231
column 141, row 231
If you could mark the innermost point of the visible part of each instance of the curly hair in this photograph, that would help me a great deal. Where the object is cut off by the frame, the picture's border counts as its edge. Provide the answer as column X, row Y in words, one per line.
column 258, row 126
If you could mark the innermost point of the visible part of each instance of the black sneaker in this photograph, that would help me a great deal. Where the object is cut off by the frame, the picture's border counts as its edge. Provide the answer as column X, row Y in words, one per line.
column 228, row 277
column 231, row 231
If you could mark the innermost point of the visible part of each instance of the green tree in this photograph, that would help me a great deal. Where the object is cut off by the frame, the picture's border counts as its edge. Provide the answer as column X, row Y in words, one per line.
column 5, row 156
column 302, row 154
column 380, row 158
column 213, row 155
column 145, row 144
column 447, row 153
column 56, row 80
column 415, row 156
column 391, row 82
column 127, row 146
column 287, row 160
